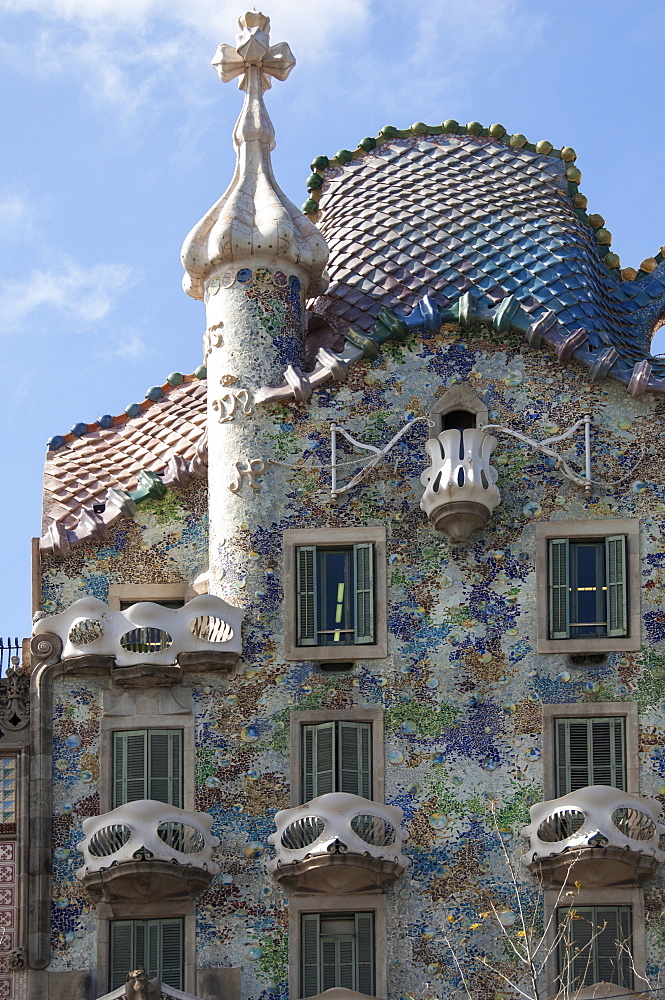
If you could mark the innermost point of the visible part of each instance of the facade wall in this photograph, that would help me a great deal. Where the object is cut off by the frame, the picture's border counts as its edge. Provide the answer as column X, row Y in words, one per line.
column 462, row 687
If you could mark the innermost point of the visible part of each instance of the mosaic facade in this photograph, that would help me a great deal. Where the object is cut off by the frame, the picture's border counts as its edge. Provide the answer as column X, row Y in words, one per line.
column 462, row 687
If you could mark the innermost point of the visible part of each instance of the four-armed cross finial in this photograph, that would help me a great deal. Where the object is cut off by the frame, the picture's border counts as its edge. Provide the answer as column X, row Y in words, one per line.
column 253, row 48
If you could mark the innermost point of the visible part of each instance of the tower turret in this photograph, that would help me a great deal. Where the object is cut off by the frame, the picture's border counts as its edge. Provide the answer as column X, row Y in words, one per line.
column 253, row 258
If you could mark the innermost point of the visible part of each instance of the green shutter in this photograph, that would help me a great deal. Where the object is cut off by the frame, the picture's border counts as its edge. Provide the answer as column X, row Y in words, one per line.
column 346, row 963
column 306, row 595
column 365, row 953
column 617, row 611
column 130, row 761
column 558, row 588
column 363, row 586
column 318, row 760
column 590, row 752
column 165, row 766
column 171, row 952
column 310, row 957
column 122, row 952
column 354, row 755
column 597, row 946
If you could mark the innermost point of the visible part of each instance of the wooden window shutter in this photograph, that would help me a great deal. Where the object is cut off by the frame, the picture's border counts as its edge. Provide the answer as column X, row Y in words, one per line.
column 558, row 568
column 165, row 766
column 310, row 954
column 615, row 562
column 130, row 762
column 354, row 755
column 171, row 952
column 363, row 580
column 346, row 963
column 590, row 752
column 607, row 751
column 306, row 595
column 122, row 958
column 365, row 953
column 319, row 760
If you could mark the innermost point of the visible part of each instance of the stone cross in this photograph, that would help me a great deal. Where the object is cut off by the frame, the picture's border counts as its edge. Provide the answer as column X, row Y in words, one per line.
column 253, row 49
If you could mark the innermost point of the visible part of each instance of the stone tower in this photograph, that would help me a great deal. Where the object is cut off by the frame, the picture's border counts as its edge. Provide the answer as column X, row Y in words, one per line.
column 253, row 259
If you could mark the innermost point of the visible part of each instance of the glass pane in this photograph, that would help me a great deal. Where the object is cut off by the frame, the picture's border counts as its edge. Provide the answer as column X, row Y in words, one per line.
column 588, row 592
column 335, row 598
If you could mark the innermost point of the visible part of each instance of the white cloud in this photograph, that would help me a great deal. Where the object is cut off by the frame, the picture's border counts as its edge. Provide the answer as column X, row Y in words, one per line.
column 14, row 212
column 85, row 295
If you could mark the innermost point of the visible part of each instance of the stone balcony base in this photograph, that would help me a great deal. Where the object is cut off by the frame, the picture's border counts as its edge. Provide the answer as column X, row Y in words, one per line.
column 338, row 874
column 143, row 881
column 595, row 867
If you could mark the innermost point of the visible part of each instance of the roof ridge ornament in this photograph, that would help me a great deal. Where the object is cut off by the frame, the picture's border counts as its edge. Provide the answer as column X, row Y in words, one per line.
column 253, row 222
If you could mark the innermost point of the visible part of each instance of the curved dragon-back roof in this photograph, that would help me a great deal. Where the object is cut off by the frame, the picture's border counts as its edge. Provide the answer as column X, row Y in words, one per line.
column 446, row 210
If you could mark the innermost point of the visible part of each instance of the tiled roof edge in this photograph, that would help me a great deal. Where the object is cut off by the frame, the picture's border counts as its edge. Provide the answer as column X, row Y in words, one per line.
column 153, row 395
column 497, row 132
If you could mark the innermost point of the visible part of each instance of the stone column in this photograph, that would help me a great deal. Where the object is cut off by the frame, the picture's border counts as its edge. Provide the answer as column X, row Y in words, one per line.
column 253, row 258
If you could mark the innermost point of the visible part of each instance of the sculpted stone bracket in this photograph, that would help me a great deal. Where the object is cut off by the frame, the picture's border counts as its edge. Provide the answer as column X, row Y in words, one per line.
column 14, row 698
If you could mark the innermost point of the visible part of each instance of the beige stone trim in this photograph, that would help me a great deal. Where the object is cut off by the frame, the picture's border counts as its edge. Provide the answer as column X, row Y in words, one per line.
column 341, row 537
column 588, row 710
column 146, row 911
column 371, row 715
column 36, row 577
column 554, row 899
column 360, row 903
column 145, row 592
column 146, row 708
column 600, row 528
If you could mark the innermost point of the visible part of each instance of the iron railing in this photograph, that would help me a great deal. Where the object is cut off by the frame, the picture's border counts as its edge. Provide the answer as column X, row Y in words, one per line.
column 9, row 648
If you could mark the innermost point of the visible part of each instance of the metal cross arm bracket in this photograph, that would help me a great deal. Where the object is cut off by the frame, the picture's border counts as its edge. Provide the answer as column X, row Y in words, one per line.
column 544, row 447
column 378, row 453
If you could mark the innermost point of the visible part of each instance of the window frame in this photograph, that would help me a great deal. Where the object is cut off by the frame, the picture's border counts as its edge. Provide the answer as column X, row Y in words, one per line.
column 337, row 940
column 600, row 529
column 599, row 896
column 146, row 708
column 330, row 538
column 174, row 781
column 373, row 716
column 134, row 963
column 589, row 710
column 327, row 905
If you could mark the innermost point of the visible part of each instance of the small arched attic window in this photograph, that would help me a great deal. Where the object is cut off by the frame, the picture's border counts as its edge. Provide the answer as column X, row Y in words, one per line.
column 459, row 408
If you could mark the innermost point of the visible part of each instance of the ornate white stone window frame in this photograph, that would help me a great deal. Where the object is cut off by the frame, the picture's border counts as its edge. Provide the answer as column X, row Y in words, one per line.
column 601, row 528
column 589, row 710
column 374, row 716
column 332, row 537
column 555, row 899
column 374, row 902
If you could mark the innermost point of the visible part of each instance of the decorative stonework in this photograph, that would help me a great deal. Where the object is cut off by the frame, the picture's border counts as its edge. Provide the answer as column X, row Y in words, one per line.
column 14, row 699
column 599, row 835
column 146, row 632
column 253, row 220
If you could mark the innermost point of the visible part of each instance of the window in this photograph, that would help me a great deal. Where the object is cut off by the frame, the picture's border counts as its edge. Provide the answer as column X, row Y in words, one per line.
column 587, row 587
column 595, row 945
column 337, row 951
column 147, row 764
column 157, row 945
column 335, row 594
column 587, row 577
column 170, row 595
column 337, row 757
column 590, row 751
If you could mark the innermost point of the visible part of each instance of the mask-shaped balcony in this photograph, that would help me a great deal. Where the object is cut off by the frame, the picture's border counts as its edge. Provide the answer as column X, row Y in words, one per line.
column 203, row 634
column 461, row 490
column 147, row 850
column 338, row 843
column 599, row 836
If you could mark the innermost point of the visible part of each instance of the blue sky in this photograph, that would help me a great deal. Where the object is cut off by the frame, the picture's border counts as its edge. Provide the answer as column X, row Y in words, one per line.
column 118, row 139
